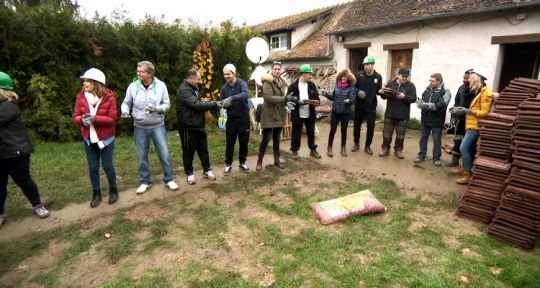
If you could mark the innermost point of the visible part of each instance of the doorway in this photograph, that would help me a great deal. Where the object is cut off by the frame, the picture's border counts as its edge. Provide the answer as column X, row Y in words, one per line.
column 356, row 56
column 520, row 60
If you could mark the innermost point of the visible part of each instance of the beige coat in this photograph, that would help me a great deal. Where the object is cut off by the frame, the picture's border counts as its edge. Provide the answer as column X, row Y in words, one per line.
column 273, row 113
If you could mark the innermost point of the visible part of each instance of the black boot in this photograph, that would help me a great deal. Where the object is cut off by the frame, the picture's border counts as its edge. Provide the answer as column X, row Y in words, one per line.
column 454, row 162
column 277, row 162
column 96, row 199
column 113, row 195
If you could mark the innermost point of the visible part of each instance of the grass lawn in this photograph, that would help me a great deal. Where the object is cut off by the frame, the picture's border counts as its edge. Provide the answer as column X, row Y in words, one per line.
column 256, row 230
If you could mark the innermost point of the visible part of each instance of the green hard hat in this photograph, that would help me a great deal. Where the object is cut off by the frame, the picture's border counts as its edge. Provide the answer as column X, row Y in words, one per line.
column 306, row 68
column 5, row 81
column 369, row 60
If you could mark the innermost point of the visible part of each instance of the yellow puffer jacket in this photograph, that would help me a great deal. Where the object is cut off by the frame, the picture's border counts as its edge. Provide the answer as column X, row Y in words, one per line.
column 481, row 104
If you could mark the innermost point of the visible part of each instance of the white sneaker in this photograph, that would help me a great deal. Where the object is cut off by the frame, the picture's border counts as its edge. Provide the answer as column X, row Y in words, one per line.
column 40, row 211
column 244, row 167
column 143, row 188
column 172, row 185
column 227, row 169
column 191, row 179
column 209, row 175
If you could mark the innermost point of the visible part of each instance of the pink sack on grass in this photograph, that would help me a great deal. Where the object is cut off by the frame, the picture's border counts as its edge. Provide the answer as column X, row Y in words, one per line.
column 335, row 210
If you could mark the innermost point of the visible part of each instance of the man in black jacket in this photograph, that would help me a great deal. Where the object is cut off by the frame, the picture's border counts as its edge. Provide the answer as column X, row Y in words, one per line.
column 370, row 82
column 304, row 113
column 190, row 115
column 234, row 94
column 397, row 112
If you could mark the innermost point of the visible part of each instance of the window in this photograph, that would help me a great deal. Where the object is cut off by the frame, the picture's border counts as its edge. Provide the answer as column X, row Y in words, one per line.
column 400, row 59
column 278, row 41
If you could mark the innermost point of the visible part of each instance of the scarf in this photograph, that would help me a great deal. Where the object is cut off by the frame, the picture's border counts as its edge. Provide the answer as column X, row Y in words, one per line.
column 93, row 104
column 342, row 84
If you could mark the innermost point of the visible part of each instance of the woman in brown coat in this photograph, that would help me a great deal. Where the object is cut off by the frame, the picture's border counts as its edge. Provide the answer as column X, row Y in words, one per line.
column 273, row 112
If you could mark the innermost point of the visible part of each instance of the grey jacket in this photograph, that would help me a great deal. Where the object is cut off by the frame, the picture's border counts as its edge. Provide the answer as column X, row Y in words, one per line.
column 137, row 98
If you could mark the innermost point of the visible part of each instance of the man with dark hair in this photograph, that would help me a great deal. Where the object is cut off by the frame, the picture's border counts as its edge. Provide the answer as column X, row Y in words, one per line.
column 433, row 105
column 304, row 114
column 399, row 98
column 368, row 82
column 463, row 98
column 148, row 99
column 234, row 94
column 190, row 116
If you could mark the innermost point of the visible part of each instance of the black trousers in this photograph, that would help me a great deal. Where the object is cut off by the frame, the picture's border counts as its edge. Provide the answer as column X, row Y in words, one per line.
column 359, row 117
column 297, row 134
column 19, row 170
column 237, row 128
column 194, row 140
column 267, row 133
column 400, row 126
column 337, row 118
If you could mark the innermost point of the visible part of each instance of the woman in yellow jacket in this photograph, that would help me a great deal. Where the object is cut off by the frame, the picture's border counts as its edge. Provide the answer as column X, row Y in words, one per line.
column 478, row 110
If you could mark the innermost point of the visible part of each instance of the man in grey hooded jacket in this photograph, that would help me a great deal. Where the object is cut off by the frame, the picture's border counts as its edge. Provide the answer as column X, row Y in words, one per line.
column 148, row 99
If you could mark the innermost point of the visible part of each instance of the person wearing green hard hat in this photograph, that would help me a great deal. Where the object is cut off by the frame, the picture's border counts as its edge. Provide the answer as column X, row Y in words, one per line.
column 304, row 114
column 368, row 83
column 15, row 151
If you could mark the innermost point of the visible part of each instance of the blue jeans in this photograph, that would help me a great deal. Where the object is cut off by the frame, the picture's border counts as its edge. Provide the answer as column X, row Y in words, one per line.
column 93, row 154
column 142, row 137
column 437, row 136
column 466, row 146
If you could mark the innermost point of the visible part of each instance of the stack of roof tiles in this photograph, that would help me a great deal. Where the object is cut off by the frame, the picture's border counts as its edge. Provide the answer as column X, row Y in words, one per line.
column 516, row 92
column 517, row 219
column 496, row 136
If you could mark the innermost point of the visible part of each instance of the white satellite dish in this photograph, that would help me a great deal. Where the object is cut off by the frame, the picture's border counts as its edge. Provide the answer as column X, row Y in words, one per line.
column 257, row 50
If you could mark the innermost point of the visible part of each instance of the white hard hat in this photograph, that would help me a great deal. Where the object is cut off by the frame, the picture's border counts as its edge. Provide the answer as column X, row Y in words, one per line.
column 94, row 74
column 482, row 71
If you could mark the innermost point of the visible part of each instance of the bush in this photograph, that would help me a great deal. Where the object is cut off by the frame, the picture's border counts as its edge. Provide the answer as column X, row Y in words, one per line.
column 413, row 124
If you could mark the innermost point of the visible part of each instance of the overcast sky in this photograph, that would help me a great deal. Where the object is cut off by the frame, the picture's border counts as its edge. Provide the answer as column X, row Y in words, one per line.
column 204, row 12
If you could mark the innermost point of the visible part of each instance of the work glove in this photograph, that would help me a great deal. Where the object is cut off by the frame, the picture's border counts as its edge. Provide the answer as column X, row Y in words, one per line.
column 291, row 98
column 227, row 102
column 428, row 106
column 361, row 94
column 125, row 115
column 347, row 101
column 290, row 105
column 219, row 104
column 460, row 111
column 88, row 120
column 150, row 108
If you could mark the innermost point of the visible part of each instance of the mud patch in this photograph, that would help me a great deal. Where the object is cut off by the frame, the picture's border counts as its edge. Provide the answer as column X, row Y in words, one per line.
column 201, row 197
column 146, row 213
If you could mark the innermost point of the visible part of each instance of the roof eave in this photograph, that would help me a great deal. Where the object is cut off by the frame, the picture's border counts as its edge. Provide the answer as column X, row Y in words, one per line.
column 437, row 16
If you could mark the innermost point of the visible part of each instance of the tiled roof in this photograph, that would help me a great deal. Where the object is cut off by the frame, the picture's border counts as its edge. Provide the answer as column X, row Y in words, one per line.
column 288, row 22
column 368, row 14
column 314, row 45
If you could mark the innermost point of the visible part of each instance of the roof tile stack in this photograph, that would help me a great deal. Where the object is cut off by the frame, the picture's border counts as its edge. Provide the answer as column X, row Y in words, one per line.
column 516, row 92
column 517, row 219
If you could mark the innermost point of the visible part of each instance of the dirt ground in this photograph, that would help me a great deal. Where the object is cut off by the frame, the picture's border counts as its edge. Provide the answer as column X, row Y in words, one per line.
column 423, row 179
column 243, row 244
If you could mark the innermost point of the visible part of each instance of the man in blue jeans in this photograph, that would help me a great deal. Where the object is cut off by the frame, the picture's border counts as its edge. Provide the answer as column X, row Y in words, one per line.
column 433, row 104
column 148, row 99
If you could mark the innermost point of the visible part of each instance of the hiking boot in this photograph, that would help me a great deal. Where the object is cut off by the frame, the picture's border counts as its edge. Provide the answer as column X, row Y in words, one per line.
column 329, row 152
column 191, row 179
column 368, row 150
column 458, row 170
column 384, row 153
column 295, row 155
column 209, row 175
column 172, row 185
column 244, row 167
column 463, row 180
column 143, row 188
column 3, row 220
column 437, row 163
column 314, row 154
column 454, row 162
column 419, row 160
column 41, row 212
column 227, row 170
column 355, row 148
column 277, row 162
column 259, row 162
column 398, row 154
column 343, row 151
column 113, row 195
column 96, row 199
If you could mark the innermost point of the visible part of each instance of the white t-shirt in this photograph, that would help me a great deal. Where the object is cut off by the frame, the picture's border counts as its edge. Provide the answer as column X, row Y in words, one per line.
column 304, row 109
